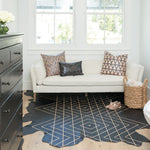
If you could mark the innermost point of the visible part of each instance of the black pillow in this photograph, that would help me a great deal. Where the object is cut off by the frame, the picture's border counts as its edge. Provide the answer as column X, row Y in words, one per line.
column 71, row 69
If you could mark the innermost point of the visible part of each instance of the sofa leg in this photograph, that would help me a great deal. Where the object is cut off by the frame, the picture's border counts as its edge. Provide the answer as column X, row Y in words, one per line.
column 86, row 94
column 34, row 97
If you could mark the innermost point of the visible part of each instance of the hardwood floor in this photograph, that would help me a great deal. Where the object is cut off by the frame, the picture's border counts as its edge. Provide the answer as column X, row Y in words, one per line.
column 34, row 141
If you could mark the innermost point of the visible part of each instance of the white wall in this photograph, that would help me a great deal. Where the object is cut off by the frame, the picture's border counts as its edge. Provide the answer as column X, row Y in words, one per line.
column 145, row 38
column 11, row 6
column 31, row 56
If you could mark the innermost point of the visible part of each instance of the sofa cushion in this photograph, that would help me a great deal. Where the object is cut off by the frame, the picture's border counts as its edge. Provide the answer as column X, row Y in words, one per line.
column 91, row 66
column 71, row 69
column 84, row 80
column 114, row 65
column 52, row 63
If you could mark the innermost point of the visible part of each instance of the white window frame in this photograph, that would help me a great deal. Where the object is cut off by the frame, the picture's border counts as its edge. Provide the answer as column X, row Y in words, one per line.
column 79, row 41
column 110, row 13
column 56, row 13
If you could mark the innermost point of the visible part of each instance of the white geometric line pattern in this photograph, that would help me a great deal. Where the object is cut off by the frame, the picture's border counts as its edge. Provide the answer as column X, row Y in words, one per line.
column 69, row 118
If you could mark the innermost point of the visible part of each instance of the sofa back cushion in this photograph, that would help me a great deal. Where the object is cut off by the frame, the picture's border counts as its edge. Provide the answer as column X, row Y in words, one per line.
column 91, row 66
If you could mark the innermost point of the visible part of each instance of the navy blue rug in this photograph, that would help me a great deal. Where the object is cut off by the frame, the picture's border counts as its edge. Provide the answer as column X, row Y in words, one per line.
column 67, row 118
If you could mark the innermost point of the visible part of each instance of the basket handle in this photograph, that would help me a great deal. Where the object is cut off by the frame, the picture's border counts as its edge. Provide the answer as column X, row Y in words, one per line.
column 145, row 83
column 125, row 79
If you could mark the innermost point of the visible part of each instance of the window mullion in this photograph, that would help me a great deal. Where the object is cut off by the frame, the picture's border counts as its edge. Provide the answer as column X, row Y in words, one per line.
column 80, row 23
column 104, row 25
column 104, row 28
column 54, row 22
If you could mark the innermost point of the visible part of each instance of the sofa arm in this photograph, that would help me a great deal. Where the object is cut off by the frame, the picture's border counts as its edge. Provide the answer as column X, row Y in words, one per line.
column 33, row 78
column 141, row 72
column 135, row 71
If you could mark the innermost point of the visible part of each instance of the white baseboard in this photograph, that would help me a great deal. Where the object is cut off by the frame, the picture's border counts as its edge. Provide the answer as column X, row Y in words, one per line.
column 27, row 85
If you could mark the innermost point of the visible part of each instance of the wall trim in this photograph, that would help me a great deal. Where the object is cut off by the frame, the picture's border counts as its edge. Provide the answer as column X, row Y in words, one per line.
column 93, row 48
column 80, row 52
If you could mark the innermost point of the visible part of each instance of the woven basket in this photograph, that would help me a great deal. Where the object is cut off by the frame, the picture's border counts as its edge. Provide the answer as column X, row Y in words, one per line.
column 135, row 97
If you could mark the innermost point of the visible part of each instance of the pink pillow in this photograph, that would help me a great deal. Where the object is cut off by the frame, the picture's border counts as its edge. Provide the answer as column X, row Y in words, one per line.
column 51, row 63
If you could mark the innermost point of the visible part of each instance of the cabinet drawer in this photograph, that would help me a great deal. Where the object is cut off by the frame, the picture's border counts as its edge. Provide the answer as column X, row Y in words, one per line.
column 10, row 107
column 8, row 137
column 17, row 141
column 16, row 53
column 4, row 59
column 10, row 79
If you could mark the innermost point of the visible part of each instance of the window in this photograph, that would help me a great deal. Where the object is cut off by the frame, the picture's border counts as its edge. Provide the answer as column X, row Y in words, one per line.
column 104, row 21
column 80, row 24
column 54, row 21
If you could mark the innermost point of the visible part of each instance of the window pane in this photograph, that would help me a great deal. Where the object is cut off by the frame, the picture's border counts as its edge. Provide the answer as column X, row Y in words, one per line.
column 45, row 28
column 63, row 29
column 54, row 21
column 58, row 5
column 113, row 29
column 104, row 21
column 94, row 6
column 64, row 5
column 112, row 5
column 95, row 29
column 107, row 5
column 93, row 3
column 45, row 5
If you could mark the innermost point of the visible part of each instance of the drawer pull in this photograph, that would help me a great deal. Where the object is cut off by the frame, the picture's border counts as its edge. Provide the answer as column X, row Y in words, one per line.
column 7, row 111
column 17, row 53
column 1, row 63
column 6, row 140
column 19, row 92
column 20, row 70
column 19, row 135
column 5, row 83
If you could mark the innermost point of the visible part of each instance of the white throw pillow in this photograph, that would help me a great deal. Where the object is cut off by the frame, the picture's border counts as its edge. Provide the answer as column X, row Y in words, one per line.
column 40, row 72
column 132, row 71
column 134, row 83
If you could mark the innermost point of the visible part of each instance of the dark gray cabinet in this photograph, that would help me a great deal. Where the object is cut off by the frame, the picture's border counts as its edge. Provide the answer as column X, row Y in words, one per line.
column 11, row 135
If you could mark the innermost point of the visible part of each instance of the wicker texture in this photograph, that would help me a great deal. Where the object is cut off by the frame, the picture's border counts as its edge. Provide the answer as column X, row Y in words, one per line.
column 135, row 97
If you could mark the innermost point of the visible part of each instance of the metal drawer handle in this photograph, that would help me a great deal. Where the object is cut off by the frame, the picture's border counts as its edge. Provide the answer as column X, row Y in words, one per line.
column 19, row 135
column 5, row 83
column 19, row 92
column 7, row 111
column 1, row 63
column 17, row 53
column 20, row 70
column 6, row 140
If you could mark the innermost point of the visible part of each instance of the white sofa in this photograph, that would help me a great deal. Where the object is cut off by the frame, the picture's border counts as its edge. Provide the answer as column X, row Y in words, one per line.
column 91, row 81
